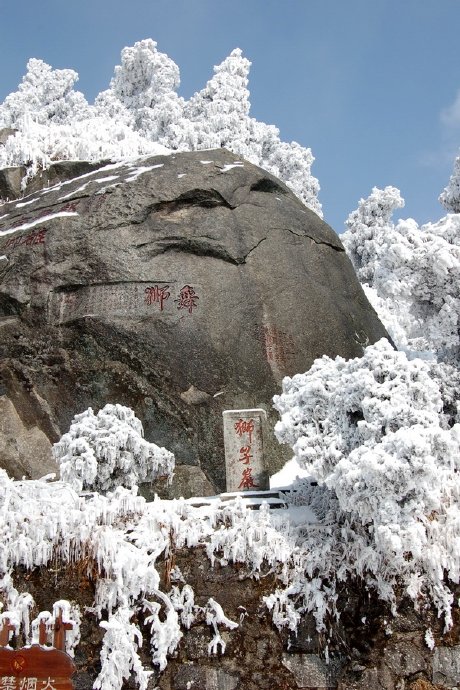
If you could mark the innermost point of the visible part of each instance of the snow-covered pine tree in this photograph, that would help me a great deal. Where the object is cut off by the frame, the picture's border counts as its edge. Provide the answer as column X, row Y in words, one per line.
column 219, row 114
column 46, row 95
column 103, row 451
column 363, row 238
column 411, row 274
column 381, row 433
column 143, row 91
column 141, row 112
column 450, row 196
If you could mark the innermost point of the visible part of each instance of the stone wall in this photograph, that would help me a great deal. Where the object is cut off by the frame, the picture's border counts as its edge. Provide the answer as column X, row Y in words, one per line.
column 368, row 650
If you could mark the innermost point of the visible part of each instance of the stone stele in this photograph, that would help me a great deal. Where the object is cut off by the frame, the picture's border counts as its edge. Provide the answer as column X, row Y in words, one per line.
column 244, row 452
column 179, row 285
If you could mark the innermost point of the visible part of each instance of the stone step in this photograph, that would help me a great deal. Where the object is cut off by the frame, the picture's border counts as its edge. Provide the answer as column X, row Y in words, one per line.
column 251, row 499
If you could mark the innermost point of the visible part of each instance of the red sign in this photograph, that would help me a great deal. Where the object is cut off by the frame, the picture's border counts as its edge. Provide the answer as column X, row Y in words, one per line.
column 35, row 668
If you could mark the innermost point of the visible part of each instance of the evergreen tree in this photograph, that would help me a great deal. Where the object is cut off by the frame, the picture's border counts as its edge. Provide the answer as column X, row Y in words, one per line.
column 450, row 196
column 46, row 95
column 106, row 450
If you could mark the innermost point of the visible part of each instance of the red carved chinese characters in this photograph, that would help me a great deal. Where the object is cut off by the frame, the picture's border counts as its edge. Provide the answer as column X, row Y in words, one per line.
column 37, row 237
column 187, row 299
column 247, row 481
column 245, row 426
column 157, row 295
column 70, row 207
column 279, row 346
column 245, row 455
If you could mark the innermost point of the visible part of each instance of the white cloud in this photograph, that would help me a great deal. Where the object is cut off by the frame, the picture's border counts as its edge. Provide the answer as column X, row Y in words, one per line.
column 450, row 116
column 442, row 155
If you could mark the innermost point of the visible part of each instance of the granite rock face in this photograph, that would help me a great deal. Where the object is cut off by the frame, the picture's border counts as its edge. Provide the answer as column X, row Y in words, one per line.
column 179, row 285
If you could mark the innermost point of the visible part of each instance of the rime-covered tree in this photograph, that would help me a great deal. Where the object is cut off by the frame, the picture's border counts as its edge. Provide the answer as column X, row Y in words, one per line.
column 140, row 113
column 105, row 450
column 46, row 95
column 450, row 196
column 144, row 88
column 365, row 226
column 381, row 433
column 219, row 114
column 411, row 274
column 292, row 164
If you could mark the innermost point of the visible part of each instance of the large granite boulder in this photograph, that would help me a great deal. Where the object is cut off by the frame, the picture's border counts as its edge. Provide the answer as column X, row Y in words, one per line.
column 179, row 285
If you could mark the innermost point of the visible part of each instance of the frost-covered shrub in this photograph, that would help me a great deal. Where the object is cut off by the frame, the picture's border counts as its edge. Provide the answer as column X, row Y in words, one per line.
column 119, row 655
column 382, row 434
column 46, row 95
column 143, row 92
column 141, row 111
column 450, row 196
column 411, row 274
column 106, row 450
column 122, row 537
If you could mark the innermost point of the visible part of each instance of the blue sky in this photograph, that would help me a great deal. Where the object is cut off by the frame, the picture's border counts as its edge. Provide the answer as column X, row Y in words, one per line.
column 370, row 85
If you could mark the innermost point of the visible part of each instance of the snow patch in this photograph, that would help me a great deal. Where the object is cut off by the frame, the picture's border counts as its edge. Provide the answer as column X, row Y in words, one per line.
column 39, row 221
column 230, row 166
column 20, row 204
column 142, row 169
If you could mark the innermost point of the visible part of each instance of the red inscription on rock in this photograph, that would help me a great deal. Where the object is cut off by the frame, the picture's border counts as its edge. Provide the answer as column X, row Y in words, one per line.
column 70, row 207
column 244, row 426
column 187, row 299
column 247, row 480
column 245, row 455
column 37, row 237
column 279, row 346
column 157, row 294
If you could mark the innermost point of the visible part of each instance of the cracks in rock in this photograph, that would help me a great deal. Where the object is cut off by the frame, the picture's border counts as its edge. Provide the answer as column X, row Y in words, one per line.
column 254, row 248
column 193, row 246
column 205, row 245
column 265, row 184
column 314, row 239
column 198, row 246
column 203, row 198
